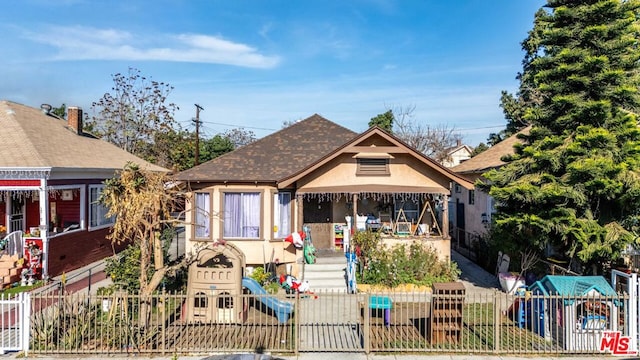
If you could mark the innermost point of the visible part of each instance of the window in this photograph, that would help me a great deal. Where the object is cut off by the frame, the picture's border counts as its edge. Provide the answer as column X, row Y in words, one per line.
column 457, row 188
column 372, row 166
column 281, row 215
column 202, row 219
column 241, row 217
column 472, row 197
column 97, row 211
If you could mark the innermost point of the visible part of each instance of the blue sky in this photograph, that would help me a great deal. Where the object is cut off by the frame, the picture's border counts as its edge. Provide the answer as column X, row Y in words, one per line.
column 256, row 64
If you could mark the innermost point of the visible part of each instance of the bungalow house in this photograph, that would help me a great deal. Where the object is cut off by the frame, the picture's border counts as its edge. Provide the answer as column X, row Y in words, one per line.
column 457, row 154
column 471, row 210
column 318, row 174
column 51, row 176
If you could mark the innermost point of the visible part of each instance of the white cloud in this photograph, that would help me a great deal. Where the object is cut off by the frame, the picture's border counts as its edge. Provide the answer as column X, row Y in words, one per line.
column 86, row 43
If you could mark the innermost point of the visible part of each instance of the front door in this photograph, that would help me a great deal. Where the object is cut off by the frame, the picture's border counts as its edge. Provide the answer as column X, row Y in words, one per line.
column 16, row 214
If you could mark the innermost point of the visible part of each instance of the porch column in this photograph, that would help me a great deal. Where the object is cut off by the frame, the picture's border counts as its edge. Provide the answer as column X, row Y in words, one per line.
column 300, row 211
column 445, row 216
column 44, row 226
column 355, row 213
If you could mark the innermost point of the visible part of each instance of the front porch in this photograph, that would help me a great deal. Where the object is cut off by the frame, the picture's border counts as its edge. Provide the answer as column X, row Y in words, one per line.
column 334, row 218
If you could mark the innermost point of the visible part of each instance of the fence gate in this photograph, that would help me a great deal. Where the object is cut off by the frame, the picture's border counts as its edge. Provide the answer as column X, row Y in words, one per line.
column 623, row 282
column 14, row 323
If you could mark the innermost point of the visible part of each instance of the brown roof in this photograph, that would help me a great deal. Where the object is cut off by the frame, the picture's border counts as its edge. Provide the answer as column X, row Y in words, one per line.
column 490, row 158
column 278, row 155
column 31, row 139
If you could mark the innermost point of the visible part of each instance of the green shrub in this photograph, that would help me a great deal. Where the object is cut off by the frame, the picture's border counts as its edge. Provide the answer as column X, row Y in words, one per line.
column 413, row 264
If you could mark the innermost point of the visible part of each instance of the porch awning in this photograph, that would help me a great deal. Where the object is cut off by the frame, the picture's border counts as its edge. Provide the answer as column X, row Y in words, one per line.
column 374, row 188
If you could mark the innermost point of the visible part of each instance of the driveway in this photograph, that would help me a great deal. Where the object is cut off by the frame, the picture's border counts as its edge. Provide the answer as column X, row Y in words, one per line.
column 476, row 280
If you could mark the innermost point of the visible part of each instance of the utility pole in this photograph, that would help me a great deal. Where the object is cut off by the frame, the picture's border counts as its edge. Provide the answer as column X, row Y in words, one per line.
column 197, row 121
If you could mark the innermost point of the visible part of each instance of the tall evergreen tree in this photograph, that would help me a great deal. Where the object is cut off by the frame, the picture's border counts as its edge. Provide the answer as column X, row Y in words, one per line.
column 574, row 185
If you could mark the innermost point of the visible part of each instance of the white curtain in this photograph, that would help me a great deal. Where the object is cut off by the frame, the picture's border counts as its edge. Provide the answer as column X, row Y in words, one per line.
column 202, row 220
column 242, row 215
column 282, row 214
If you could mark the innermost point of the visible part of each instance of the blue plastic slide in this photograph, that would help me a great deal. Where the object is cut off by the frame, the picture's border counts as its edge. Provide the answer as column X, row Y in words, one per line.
column 282, row 309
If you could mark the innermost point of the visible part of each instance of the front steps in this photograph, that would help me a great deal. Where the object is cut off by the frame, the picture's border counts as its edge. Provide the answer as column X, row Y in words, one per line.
column 328, row 274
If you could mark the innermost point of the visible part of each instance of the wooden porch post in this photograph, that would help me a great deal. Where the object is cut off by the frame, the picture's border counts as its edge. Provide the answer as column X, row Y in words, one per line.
column 355, row 213
column 445, row 216
column 300, row 217
column 44, row 226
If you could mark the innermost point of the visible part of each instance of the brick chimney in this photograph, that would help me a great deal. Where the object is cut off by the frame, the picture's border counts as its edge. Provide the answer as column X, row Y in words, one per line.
column 74, row 119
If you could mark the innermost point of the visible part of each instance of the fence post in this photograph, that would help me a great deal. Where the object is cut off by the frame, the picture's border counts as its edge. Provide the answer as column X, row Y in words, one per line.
column 25, row 304
column 496, row 321
column 296, row 333
column 367, row 324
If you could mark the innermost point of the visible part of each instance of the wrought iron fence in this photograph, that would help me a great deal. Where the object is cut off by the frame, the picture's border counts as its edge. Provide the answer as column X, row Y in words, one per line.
column 329, row 322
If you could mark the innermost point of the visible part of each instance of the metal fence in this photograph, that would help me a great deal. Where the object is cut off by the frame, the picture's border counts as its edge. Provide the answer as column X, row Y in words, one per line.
column 331, row 322
column 14, row 322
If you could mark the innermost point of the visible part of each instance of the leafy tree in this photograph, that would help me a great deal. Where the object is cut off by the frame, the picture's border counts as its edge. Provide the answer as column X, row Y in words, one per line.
column 383, row 121
column 135, row 116
column 141, row 203
column 240, row 137
column 479, row 149
column 60, row 112
column 574, row 184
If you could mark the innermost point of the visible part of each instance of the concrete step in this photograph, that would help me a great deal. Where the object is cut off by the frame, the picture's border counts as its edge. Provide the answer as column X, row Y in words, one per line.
column 324, row 267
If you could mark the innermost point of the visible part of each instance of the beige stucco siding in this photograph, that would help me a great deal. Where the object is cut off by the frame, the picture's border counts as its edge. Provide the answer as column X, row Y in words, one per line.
column 403, row 171
column 256, row 251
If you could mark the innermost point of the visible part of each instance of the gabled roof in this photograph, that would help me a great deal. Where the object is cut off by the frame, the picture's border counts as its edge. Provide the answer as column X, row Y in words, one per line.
column 395, row 145
column 490, row 158
column 31, row 139
column 278, row 155
column 573, row 285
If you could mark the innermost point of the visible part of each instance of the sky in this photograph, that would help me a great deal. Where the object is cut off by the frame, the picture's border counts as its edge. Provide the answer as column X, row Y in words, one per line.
column 257, row 64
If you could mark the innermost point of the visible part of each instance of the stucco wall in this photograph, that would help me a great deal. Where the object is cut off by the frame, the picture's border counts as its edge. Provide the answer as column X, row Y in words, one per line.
column 257, row 251
column 403, row 171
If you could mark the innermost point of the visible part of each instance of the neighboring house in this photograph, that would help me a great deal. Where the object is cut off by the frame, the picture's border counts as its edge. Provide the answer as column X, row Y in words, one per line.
column 471, row 210
column 457, row 155
column 51, row 176
column 316, row 173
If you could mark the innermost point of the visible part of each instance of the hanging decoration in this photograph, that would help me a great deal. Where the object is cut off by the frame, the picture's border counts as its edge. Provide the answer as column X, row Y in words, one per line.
column 375, row 196
column 16, row 174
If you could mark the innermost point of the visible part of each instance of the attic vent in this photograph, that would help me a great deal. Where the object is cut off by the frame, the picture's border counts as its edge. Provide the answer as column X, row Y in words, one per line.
column 372, row 167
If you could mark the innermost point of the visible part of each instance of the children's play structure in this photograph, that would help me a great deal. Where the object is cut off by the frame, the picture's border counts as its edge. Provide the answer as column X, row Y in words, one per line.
column 282, row 309
column 575, row 311
column 216, row 281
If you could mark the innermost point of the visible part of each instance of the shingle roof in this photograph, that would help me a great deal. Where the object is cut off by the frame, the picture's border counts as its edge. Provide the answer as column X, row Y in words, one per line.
column 490, row 158
column 275, row 156
column 31, row 139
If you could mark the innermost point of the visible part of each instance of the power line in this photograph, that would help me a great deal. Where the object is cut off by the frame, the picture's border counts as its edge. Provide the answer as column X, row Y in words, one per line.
column 239, row 126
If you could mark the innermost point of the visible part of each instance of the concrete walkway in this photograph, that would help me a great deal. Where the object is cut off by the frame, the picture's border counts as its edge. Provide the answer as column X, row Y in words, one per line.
column 476, row 280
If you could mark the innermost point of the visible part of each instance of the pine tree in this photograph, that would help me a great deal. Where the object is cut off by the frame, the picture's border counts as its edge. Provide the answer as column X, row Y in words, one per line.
column 574, row 184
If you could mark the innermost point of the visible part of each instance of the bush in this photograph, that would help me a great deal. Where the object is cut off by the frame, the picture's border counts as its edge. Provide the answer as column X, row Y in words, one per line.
column 414, row 264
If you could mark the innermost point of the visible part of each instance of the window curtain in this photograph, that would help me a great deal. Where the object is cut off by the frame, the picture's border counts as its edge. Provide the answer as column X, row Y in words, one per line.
column 203, row 209
column 242, row 215
column 282, row 214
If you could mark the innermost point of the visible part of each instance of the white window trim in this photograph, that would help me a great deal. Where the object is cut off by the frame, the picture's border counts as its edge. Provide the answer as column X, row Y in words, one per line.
column 102, row 225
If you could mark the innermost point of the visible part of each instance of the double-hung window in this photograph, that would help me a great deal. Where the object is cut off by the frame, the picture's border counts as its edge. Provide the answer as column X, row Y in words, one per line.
column 241, row 216
column 202, row 215
column 98, row 211
column 281, row 215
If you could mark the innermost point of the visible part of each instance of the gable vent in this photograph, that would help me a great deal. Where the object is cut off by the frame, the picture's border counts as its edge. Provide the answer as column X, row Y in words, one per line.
column 373, row 167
